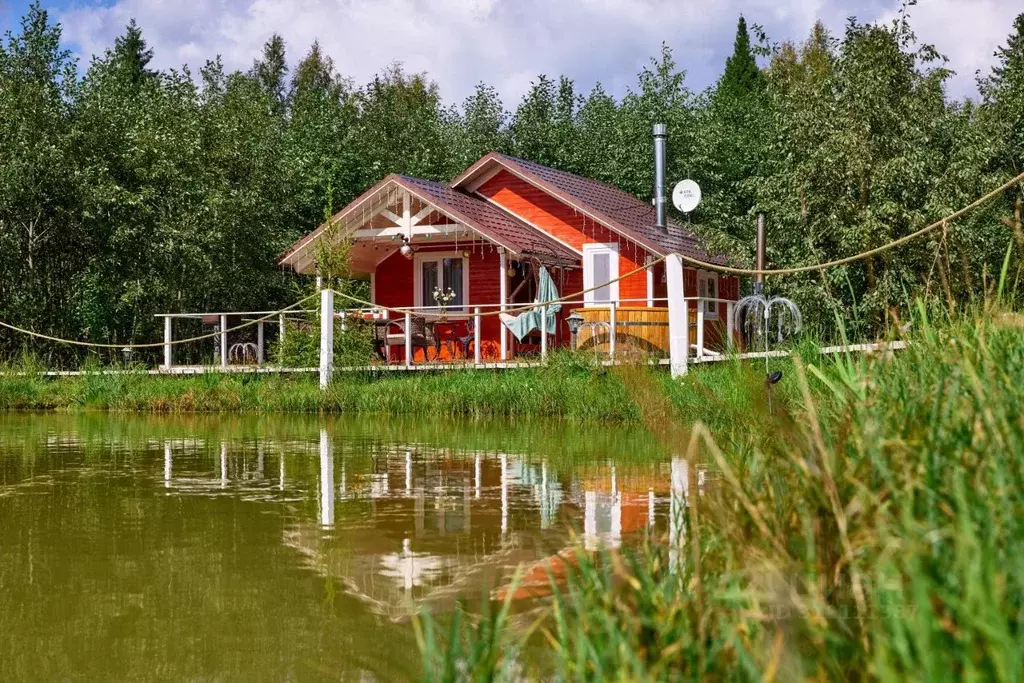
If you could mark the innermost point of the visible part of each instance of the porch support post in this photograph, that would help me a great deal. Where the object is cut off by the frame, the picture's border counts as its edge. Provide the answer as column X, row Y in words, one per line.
column 503, row 296
column 259, row 343
column 543, row 332
column 408, row 340
column 168, row 349
column 476, row 335
column 650, row 280
column 678, row 317
column 612, row 329
column 326, row 336
column 700, row 329
column 223, row 340
column 730, row 325
column 280, row 330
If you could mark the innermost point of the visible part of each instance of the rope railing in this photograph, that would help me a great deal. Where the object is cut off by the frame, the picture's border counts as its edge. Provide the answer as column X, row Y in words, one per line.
column 156, row 345
column 864, row 254
column 568, row 298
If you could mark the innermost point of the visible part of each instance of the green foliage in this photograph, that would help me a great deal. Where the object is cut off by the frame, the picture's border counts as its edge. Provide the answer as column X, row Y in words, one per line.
column 127, row 191
column 866, row 528
column 742, row 75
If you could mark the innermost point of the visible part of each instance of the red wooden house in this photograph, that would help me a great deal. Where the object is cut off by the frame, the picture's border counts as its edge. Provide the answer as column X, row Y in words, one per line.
column 486, row 234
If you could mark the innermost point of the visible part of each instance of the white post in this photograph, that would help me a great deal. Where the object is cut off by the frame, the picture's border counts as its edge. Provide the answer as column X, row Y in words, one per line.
column 259, row 343
column 503, row 297
column 168, row 464
column 612, row 329
column 223, row 341
column 477, row 354
column 543, row 332
column 167, row 343
column 650, row 280
column 326, row 478
column 408, row 339
column 326, row 336
column 678, row 317
column 504, row 494
column 700, row 329
column 408, row 473
column 476, row 476
column 678, row 500
column 730, row 325
column 223, row 464
column 280, row 330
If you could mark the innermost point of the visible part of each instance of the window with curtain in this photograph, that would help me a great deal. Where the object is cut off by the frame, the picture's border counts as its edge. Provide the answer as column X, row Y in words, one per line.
column 443, row 272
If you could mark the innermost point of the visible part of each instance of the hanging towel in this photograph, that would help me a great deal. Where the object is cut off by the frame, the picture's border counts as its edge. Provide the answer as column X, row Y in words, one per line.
column 528, row 321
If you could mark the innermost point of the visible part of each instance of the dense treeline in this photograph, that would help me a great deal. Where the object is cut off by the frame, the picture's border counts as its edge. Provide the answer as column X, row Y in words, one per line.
column 125, row 191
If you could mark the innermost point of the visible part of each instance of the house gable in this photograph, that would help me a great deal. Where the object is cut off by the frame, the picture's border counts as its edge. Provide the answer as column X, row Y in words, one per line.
column 547, row 213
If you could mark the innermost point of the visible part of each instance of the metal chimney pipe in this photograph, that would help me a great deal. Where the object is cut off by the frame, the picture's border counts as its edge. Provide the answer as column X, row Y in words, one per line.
column 759, row 278
column 660, row 132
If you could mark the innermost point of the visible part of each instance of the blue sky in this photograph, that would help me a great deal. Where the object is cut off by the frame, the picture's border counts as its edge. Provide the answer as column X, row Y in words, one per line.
column 507, row 43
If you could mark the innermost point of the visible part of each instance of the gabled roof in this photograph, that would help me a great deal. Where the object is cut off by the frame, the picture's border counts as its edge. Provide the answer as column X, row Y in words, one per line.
column 486, row 220
column 618, row 210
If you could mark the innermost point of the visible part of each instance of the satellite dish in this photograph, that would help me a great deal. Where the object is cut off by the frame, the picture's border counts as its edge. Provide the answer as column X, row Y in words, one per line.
column 686, row 195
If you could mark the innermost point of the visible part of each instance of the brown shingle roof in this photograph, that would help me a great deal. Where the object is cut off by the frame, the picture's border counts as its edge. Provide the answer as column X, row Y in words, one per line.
column 488, row 220
column 619, row 210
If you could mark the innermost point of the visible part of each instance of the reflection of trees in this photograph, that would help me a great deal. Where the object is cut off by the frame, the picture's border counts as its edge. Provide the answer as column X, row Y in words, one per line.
column 170, row 549
column 112, row 578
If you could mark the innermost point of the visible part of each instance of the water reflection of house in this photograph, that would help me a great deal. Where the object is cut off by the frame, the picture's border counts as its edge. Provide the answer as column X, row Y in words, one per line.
column 424, row 530
column 406, row 527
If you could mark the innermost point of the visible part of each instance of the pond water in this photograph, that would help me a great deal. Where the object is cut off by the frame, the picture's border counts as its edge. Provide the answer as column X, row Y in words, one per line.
column 288, row 548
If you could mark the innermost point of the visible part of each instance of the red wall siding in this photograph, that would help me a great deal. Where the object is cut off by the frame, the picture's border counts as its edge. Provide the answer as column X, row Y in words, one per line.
column 394, row 287
column 564, row 223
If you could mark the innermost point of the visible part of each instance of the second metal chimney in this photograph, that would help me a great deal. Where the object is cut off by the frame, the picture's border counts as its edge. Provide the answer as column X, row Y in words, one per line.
column 660, row 132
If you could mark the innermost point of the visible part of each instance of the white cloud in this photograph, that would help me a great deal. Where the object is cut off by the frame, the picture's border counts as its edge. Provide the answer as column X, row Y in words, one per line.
column 507, row 43
column 966, row 31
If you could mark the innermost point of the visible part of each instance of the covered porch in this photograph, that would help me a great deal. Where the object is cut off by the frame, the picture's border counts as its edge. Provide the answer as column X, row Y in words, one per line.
column 442, row 265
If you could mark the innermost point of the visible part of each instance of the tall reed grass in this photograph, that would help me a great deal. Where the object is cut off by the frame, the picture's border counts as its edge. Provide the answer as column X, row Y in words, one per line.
column 868, row 527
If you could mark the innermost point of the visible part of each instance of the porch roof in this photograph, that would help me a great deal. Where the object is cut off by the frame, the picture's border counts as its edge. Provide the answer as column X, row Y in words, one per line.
column 476, row 215
column 490, row 221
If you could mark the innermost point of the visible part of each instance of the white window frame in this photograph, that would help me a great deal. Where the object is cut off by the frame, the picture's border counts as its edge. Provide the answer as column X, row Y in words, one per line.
column 710, row 307
column 419, row 258
column 589, row 250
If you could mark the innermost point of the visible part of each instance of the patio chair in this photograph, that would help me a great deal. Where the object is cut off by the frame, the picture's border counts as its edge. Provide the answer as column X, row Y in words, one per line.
column 384, row 338
column 466, row 341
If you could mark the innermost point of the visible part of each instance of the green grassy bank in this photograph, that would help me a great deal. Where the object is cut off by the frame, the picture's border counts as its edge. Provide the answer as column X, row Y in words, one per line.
column 870, row 527
column 570, row 386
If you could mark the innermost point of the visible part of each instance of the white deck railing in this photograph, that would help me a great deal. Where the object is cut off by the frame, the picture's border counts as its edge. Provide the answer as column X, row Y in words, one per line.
column 467, row 314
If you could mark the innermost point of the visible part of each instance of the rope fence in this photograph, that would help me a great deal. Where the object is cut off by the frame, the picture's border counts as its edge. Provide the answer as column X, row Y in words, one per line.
column 162, row 344
column 575, row 296
column 865, row 254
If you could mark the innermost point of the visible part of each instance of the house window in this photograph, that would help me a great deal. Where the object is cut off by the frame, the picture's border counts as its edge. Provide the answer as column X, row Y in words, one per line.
column 600, row 267
column 707, row 288
column 442, row 271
